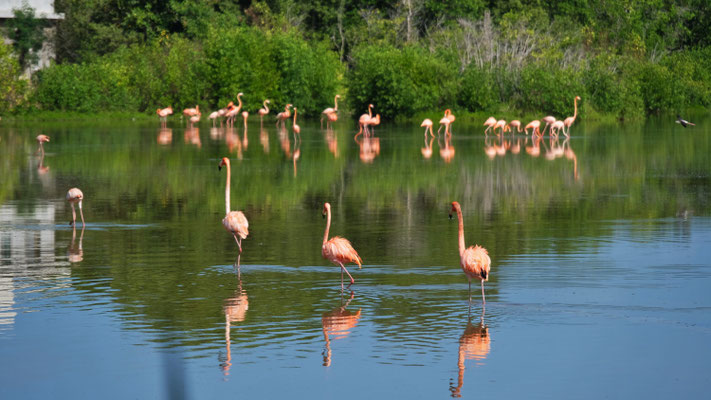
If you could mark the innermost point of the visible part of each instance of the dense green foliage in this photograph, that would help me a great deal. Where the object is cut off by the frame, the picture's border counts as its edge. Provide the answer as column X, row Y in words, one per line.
column 26, row 33
column 623, row 58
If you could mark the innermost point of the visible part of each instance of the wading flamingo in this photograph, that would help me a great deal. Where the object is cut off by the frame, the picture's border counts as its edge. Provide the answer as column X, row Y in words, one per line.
column 189, row 112
column 569, row 121
column 446, row 121
column 427, row 123
column 245, row 115
column 683, row 122
column 329, row 110
column 75, row 196
column 371, row 123
column 556, row 127
column 41, row 139
column 474, row 260
column 331, row 118
column 233, row 111
column 364, row 118
column 338, row 250
column 499, row 124
column 515, row 124
column 489, row 123
column 213, row 116
column 284, row 115
column 194, row 119
column 163, row 114
column 535, row 125
column 296, row 128
column 549, row 120
column 263, row 111
column 235, row 222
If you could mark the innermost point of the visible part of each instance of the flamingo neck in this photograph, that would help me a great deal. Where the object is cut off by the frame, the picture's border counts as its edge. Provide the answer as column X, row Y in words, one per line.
column 575, row 103
column 294, row 122
column 239, row 100
column 370, row 114
column 328, row 224
column 335, row 100
column 227, row 190
column 461, row 231
column 266, row 107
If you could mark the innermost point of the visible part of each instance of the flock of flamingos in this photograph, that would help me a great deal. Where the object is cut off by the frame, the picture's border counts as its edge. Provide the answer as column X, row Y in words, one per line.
column 474, row 260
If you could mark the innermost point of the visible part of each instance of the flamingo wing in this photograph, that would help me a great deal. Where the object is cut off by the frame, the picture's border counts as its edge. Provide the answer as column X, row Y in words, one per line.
column 339, row 249
column 476, row 262
column 236, row 223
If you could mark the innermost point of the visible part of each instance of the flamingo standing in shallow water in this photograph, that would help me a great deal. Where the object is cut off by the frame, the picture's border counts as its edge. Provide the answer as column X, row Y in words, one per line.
column 245, row 115
column 75, row 196
column 489, row 123
column 427, row 123
column 213, row 116
column 163, row 114
column 549, row 120
column 263, row 111
column 535, row 125
column 446, row 121
column 296, row 128
column 499, row 124
column 325, row 113
column 515, row 124
column 235, row 222
column 569, row 121
column 41, row 139
column 331, row 118
column 338, row 250
column 284, row 115
column 474, row 260
column 364, row 118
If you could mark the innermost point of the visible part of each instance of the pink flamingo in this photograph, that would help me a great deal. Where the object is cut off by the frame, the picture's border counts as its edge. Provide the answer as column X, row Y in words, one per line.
column 235, row 222
column 516, row 124
column 263, row 111
column 331, row 118
column 296, row 128
column 245, row 115
column 41, row 139
column 427, row 123
column 372, row 122
column 364, row 118
column 474, row 260
column 549, row 120
column 338, row 250
column 569, row 121
column 75, row 196
column 284, row 115
column 194, row 119
column 163, row 114
column 329, row 110
column 535, row 125
column 233, row 111
column 446, row 121
column 499, row 124
column 213, row 116
column 489, row 123
column 556, row 126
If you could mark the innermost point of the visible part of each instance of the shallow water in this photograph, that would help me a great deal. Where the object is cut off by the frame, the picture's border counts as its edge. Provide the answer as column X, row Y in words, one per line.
column 599, row 245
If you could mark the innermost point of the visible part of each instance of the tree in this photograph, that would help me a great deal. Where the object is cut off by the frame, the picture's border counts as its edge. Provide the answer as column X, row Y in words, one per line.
column 27, row 34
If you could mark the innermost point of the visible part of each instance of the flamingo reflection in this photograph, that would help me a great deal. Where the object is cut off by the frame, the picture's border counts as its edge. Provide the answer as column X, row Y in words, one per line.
column 369, row 148
column 570, row 155
column 337, row 324
column 474, row 344
column 264, row 140
column 331, row 141
column 76, row 254
column 165, row 136
column 192, row 136
column 297, row 148
column 233, row 142
column 235, row 309
column 446, row 151
column 284, row 141
column 427, row 150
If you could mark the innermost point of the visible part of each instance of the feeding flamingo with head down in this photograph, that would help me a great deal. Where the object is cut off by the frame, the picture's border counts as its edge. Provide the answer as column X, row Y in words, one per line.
column 474, row 260
column 235, row 222
column 337, row 249
column 75, row 196
column 427, row 123
column 489, row 123
column 41, row 139
column 535, row 125
column 446, row 121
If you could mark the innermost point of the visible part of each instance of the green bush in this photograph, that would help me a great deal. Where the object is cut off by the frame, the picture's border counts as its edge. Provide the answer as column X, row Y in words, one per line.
column 659, row 88
column 550, row 89
column 12, row 87
column 478, row 90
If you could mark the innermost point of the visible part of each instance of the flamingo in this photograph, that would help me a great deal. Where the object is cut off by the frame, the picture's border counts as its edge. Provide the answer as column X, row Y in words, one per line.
column 331, row 118
column 41, row 139
column 75, row 196
column 499, row 124
column 297, row 128
column 263, row 111
column 338, row 250
column 364, row 118
column 194, row 119
column 373, row 122
column 489, row 123
column 515, row 124
column 474, row 260
column 163, row 114
column 284, row 115
column 330, row 110
column 245, row 115
column 427, row 123
column 233, row 111
column 446, row 121
column 683, row 122
column 535, row 125
column 556, row 127
column 189, row 112
column 549, row 120
column 213, row 116
column 235, row 222
column 569, row 121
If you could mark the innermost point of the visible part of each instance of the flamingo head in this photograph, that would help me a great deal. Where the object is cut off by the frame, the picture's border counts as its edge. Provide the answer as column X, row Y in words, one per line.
column 267, row 101
column 447, row 112
column 455, row 208
column 245, row 114
column 326, row 209
column 240, row 94
column 224, row 161
column 289, row 105
column 42, row 138
column 371, row 106
column 577, row 97
column 338, row 96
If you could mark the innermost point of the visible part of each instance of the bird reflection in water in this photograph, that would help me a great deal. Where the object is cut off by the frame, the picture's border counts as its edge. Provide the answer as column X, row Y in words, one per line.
column 474, row 344
column 297, row 150
column 245, row 138
column 369, row 147
column 235, row 309
column 570, row 155
column 216, row 133
column 331, row 141
column 233, row 142
column 446, row 151
column 427, row 150
column 76, row 254
column 284, row 141
column 192, row 136
column 337, row 324
column 165, row 136
column 41, row 168
column 264, row 140
column 535, row 149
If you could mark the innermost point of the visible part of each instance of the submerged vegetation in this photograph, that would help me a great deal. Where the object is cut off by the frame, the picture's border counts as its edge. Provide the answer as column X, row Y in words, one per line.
column 625, row 59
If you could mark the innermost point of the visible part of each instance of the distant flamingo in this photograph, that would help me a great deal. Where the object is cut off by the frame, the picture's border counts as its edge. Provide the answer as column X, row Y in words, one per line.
column 535, row 125
column 338, row 250
column 372, row 122
column 189, row 112
column 331, row 118
column 427, row 123
column 556, row 127
column 284, row 115
column 364, row 118
column 500, row 124
column 516, row 124
column 235, row 222
column 245, row 115
column 41, row 139
column 194, row 119
column 233, row 111
column 263, row 111
column 213, row 116
column 474, row 260
column 75, row 196
column 489, row 123
column 296, row 128
column 163, row 114
column 569, row 121
column 329, row 110
column 549, row 120
column 446, row 121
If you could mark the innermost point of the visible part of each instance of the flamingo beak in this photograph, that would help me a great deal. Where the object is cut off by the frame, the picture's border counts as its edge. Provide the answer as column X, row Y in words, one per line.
column 219, row 167
column 450, row 215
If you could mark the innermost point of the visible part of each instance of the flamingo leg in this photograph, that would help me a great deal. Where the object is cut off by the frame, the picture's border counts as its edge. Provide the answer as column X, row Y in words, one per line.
column 239, row 242
column 343, row 269
column 82, row 215
column 470, row 291
column 483, row 298
column 74, row 216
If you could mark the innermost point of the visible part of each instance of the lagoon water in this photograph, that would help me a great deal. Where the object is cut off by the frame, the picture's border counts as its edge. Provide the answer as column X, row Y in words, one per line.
column 600, row 248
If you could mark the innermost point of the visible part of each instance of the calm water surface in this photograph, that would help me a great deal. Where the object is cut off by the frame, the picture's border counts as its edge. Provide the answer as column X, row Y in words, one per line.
column 600, row 285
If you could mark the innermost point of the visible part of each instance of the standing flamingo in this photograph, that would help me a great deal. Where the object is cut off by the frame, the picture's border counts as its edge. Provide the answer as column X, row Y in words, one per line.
column 194, row 119
column 233, row 111
column 515, row 124
column 427, row 123
column 535, row 125
column 446, row 121
column 235, row 222
column 364, row 118
column 213, row 116
column 549, row 120
column 556, row 127
column 163, row 114
column 297, row 128
column 489, row 123
column 263, row 111
column 245, row 115
column 331, row 118
column 329, row 110
column 75, row 196
column 41, row 139
column 372, row 122
column 499, row 124
column 338, row 250
column 569, row 121
column 474, row 260
column 284, row 115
